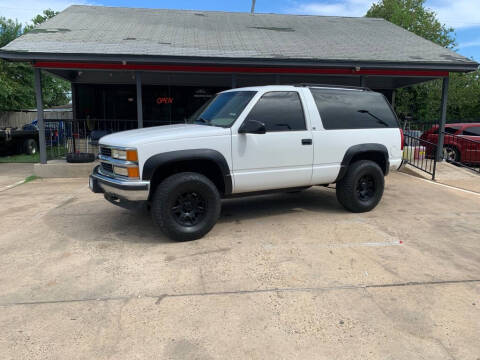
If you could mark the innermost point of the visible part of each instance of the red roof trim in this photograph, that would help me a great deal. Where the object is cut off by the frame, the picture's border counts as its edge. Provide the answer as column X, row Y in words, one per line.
column 238, row 69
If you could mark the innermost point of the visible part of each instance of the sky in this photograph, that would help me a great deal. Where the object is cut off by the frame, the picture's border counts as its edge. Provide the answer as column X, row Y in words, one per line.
column 462, row 15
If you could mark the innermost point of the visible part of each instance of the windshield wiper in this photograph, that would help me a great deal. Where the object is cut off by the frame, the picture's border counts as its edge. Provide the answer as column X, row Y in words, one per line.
column 375, row 117
column 202, row 121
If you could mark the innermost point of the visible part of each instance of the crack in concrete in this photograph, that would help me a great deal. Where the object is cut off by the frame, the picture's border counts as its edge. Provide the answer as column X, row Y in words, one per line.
column 243, row 292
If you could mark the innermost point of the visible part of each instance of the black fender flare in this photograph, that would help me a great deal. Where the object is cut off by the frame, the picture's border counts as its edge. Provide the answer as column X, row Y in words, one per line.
column 360, row 149
column 169, row 157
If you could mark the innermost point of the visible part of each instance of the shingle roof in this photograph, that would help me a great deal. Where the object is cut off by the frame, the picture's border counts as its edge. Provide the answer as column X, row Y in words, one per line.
column 129, row 31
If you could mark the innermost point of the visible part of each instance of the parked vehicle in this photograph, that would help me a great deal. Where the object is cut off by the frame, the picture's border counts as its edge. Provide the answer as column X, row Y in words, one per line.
column 25, row 140
column 249, row 141
column 18, row 141
column 461, row 143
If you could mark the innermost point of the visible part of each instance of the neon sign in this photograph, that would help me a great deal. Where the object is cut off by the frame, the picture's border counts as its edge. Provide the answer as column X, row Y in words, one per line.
column 164, row 100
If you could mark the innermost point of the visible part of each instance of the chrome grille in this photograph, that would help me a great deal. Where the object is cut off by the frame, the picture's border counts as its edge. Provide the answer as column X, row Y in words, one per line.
column 105, row 151
column 107, row 167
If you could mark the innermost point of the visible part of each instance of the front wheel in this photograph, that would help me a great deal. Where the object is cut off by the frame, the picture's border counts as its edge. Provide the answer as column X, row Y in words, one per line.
column 450, row 153
column 361, row 189
column 186, row 206
column 30, row 146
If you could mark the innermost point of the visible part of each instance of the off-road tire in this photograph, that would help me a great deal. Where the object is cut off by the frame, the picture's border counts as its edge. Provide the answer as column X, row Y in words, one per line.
column 179, row 186
column 80, row 157
column 30, row 146
column 348, row 189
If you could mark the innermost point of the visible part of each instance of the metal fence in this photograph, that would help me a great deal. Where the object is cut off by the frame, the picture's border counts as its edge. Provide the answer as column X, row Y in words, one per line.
column 421, row 146
column 420, row 153
column 77, row 140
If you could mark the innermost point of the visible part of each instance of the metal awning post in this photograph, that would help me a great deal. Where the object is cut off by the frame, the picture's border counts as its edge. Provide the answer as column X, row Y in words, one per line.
column 443, row 119
column 41, row 124
column 138, row 79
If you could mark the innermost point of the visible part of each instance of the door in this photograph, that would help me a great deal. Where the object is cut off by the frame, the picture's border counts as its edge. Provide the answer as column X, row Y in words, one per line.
column 280, row 158
column 470, row 146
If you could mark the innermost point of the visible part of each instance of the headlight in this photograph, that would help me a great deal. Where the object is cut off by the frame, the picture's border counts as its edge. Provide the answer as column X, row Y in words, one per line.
column 130, row 155
column 119, row 154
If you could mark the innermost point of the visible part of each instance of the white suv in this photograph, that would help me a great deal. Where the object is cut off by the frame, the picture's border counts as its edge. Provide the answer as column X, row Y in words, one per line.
column 248, row 141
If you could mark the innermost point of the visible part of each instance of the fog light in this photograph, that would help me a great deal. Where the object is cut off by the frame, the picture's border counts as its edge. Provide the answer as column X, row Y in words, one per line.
column 118, row 170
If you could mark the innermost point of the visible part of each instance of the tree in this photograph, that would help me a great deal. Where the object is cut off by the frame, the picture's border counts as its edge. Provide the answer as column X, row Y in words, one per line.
column 16, row 79
column 422, row 101
column 413, row 16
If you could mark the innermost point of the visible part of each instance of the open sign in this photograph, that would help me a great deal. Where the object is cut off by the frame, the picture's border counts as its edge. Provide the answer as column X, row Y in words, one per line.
column 164, row 100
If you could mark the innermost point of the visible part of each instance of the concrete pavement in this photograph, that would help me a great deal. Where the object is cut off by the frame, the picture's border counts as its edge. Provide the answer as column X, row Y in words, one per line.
column 280, row 276
column 13, row 173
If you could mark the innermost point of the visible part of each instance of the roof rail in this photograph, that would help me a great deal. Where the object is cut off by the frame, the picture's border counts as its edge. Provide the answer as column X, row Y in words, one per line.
column 333, row 86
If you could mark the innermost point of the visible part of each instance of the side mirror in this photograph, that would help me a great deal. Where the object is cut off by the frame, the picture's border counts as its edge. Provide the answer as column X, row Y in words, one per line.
column 252, row 127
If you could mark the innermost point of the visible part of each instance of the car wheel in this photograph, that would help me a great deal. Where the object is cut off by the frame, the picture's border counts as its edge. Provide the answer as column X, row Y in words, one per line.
column 186, row 206
column 30, row 146
column 451, row 154
column 361, row 188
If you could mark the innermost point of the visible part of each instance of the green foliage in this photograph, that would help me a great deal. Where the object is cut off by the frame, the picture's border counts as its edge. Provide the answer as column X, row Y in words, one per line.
column 422, row 101
column 413, row 16
column 16, row 79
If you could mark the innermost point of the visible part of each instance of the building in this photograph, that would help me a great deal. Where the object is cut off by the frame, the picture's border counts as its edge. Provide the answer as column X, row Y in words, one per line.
column 142, row 67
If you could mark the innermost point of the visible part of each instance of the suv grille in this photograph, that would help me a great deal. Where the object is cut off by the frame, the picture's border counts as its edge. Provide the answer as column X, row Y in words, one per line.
column 107, row 167
column 106, row 151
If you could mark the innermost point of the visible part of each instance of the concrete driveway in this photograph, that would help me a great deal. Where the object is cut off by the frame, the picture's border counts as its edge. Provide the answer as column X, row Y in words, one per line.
column 11, row 174
column 280, row 276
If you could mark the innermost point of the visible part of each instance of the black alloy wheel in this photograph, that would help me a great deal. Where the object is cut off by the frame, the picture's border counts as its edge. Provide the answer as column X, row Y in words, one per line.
column 189, row 209
column 365, row 187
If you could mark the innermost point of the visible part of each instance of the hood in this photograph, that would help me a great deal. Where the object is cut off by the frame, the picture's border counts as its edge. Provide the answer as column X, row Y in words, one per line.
column 161, row 133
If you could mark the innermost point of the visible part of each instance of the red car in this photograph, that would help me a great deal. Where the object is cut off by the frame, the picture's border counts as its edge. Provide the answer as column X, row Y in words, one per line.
column 461, row 143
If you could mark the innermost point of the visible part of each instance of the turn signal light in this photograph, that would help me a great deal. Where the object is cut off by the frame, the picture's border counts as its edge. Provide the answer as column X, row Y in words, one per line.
column 133, row 172
column 132, row 155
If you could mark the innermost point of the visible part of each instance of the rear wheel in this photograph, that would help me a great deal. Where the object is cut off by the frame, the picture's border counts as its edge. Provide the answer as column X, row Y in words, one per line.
column 361, row 189
column 30, row 146
column 186, row 206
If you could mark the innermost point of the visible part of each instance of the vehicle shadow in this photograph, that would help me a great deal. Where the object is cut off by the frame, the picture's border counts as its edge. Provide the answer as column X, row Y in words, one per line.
column 321, row 200
column 100, row 221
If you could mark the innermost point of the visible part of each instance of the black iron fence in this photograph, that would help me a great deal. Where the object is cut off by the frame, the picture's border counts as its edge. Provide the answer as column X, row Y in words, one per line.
column 81, row 144
column 421, row 146
column 419, row 153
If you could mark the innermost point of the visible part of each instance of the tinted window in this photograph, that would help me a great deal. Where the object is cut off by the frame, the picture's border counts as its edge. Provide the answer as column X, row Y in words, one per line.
column 351, row 109
column 280, row 111
column 450, row 129
column 472, row 131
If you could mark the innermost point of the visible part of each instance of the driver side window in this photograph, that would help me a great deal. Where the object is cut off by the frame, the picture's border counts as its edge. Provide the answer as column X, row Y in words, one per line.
column 279, row 111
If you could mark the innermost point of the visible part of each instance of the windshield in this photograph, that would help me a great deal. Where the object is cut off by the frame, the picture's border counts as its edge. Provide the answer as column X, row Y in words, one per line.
column 223, row 109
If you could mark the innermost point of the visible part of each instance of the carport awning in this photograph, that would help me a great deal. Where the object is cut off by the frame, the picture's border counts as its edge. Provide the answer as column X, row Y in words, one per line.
column 126, row 36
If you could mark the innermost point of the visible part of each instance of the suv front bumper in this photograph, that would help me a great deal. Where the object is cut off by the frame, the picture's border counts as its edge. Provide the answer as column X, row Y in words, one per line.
column 119, row 192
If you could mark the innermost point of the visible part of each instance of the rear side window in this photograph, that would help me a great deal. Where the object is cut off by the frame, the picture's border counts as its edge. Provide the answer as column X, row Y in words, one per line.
column 351, row 109
column 279, row 111
column 448, row 130
column 472, row 131
column 451, row 129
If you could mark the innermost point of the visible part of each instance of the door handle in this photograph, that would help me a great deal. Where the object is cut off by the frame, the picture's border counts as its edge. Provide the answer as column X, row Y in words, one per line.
column 306, row 141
